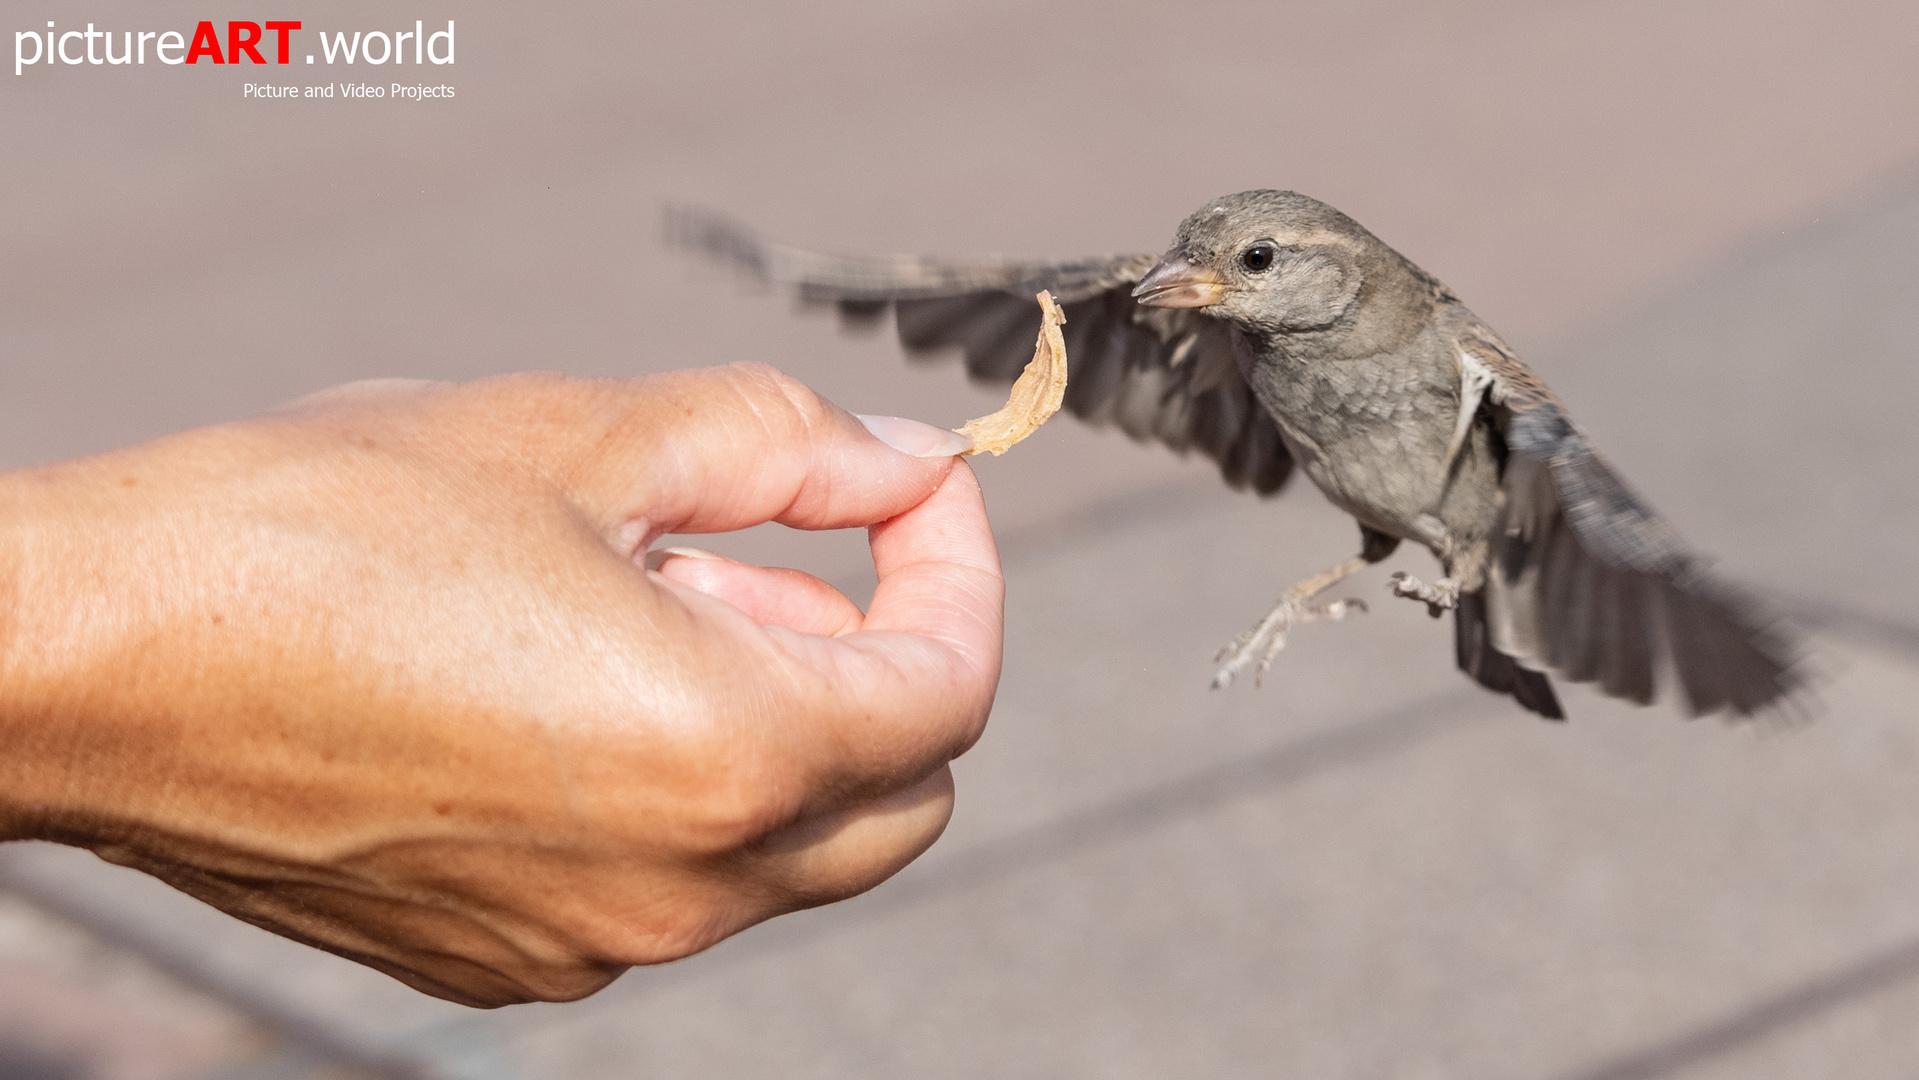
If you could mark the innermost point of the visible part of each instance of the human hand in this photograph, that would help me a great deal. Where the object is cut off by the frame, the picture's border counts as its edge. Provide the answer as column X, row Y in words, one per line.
column 380, row 671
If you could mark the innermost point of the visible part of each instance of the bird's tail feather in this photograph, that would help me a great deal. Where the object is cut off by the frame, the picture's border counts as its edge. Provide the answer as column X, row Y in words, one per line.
column 1493, row 669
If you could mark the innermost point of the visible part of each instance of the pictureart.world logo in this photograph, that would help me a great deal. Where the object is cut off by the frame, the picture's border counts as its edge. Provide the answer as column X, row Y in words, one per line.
column 241, row 43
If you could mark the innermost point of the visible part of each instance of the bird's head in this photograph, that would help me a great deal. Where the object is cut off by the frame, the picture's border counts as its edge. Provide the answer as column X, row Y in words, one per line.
column 1267, row 261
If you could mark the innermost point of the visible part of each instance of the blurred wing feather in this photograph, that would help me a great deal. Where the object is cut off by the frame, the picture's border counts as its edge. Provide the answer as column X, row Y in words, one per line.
column 1588, row 581
column 1157, row 374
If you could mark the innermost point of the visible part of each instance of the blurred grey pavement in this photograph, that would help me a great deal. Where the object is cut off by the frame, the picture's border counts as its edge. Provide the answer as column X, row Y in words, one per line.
column 1699, row 220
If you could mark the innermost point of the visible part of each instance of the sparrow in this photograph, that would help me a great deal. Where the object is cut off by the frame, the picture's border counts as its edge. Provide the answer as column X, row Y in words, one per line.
column 1276, row 333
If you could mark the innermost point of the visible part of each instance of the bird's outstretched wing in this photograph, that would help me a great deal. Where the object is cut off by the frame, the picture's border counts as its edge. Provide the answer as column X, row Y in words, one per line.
column 1158, row 374
column 1587, row 580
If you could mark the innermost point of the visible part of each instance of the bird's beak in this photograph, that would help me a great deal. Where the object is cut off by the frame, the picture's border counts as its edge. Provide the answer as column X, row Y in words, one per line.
column 1179, row 282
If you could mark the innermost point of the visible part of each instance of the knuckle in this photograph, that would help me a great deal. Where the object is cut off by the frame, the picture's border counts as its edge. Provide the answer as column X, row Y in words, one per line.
column 738, row 806
column 695, row 930
column 764, row 377
column 785, row 404
column 688, row 915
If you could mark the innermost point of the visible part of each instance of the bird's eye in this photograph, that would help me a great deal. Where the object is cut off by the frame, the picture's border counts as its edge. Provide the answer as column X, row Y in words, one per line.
column 1257, row 258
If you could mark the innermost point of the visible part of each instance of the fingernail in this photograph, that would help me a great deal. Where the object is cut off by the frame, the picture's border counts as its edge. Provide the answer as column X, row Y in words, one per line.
column 915, row 438
column 658, row 556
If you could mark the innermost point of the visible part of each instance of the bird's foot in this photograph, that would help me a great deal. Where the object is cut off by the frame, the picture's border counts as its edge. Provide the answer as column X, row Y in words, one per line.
column 1439, row 597
column 1263, row 642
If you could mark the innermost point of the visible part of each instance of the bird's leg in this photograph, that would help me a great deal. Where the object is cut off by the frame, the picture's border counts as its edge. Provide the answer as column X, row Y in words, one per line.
column 1264, row 641
column 1439, row 597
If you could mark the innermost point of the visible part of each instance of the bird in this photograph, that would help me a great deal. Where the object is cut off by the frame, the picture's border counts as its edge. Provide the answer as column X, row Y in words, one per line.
column 1277, row 334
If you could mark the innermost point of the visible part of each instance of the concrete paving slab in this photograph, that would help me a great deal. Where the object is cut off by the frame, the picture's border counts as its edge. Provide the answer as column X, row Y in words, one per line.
column 69, row 1005
column 324, row 1012
column 78, row 1006
column 180, row 254
column 1365, row 869
column 1769, row 403
column 1496, row 897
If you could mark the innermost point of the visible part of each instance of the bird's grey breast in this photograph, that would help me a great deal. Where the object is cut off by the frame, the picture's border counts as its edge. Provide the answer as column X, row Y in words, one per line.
column 1371, row 431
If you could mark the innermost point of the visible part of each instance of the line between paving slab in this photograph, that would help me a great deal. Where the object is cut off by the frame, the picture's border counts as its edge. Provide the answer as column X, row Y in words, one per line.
column 1805, row 1002
column 1185, row 498
column 1041, row 845
column 1399, row 727
column 1899, row 641
column 1175, row 499
column 174, row 959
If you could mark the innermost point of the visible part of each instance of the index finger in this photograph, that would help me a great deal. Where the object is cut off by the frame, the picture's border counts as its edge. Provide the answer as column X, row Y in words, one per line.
column 720, row 449
column 911, row 689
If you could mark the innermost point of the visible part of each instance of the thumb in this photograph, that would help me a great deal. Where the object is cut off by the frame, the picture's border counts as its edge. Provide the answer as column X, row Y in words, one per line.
column 718, row 449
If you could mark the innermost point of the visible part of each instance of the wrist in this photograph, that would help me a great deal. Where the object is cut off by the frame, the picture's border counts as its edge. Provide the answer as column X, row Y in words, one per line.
column 53, row 605
column 32, row 759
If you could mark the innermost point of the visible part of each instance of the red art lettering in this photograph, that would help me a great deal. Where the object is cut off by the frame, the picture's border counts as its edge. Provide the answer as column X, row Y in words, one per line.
column 281, row 28
column 241, row 38
column 205, row 43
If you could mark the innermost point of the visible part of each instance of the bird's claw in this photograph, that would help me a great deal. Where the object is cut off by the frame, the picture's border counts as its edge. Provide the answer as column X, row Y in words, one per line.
column 1265, row 641
column 1439, row 597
